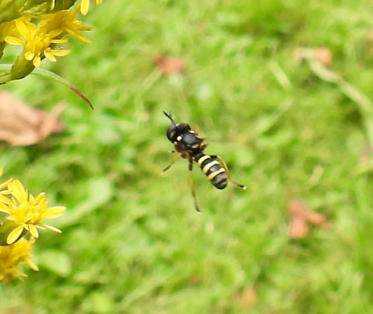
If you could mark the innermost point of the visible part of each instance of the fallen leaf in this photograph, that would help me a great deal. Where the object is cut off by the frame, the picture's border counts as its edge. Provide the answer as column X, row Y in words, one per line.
column 300, row 216
column 23, row 125
column 168, row 65
column 298, row 228
column 321, row 54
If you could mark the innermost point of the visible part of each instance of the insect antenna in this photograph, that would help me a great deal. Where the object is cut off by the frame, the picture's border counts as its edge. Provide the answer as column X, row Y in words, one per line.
column 169, row 115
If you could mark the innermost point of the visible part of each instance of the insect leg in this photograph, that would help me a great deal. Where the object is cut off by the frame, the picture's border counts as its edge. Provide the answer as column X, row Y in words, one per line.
column 176, row 157
column 192, row 184
column 228, row 173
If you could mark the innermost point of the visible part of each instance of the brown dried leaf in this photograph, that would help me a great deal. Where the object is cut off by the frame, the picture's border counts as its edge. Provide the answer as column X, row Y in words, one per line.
column 23, row 125
column 298, row 228
column 321, row 54
column 300, row 216
column 168, row 65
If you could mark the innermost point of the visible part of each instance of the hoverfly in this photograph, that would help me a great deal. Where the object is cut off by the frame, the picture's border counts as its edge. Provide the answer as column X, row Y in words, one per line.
column 189, row 146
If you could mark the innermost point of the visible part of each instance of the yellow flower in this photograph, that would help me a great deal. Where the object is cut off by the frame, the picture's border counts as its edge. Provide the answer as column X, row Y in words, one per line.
column 12, row 255
column 26, row 212
column 7, row 29
column 37, row 44
column 3, row 190
column 84, row 7
column 64, row 22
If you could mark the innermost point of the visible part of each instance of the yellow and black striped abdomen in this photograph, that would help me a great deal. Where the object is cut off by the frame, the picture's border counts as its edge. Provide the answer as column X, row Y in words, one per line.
column 213, row 170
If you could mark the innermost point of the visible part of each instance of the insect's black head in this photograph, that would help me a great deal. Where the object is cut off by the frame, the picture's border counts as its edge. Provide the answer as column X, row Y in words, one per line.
column 176, row 129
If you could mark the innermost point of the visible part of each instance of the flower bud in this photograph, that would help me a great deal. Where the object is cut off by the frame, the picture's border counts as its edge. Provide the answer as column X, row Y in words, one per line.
column 20, row 69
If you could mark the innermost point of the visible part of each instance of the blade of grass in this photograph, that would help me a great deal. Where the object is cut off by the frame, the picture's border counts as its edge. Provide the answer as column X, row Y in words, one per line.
column 364, row 104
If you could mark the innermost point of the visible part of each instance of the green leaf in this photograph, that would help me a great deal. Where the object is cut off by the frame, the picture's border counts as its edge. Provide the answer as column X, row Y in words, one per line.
column 54, row 76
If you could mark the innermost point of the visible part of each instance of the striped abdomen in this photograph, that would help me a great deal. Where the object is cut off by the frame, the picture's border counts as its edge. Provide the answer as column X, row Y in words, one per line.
column 213, row 170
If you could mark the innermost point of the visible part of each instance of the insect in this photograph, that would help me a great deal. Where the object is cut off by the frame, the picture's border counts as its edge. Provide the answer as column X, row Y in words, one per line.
column 189, row 146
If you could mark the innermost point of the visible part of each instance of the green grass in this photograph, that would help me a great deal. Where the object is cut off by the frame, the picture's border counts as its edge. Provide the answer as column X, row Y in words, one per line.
column 132, row 242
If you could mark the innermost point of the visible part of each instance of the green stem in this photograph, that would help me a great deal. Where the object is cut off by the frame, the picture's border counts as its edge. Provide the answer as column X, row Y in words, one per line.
column 2, row 46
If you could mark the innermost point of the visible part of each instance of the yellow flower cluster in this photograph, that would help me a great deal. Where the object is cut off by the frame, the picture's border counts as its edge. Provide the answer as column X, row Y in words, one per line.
column 23, row 214
column 13, row 255
column 41, row 34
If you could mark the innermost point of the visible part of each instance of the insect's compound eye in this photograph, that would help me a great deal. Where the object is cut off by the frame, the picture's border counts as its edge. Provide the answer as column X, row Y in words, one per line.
column 171, row 131
column 175, row 130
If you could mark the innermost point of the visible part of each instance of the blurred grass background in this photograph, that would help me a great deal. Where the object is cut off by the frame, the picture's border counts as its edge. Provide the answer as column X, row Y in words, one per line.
column 132, row 242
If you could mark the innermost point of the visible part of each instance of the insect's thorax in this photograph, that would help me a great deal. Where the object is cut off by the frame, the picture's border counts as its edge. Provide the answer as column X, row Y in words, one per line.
column 189, row 143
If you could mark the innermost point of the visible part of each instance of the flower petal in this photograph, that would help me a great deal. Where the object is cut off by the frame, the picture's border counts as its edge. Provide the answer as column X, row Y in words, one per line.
column 84, row 7
column 4, row 200
column 4, row 210
column 39, row 197
column 50, row 56
column 51, row 228
column 55, row 33
column 78, row 35
column 14, row 235
column 14, row 40
column 32, row 264
column 60, row 53
column 22, row 28
column 33, row 230
column 59, row 41
column 53, row 212
column 29, row 55
column 5, row 184
column 18, row 191
column 36, row 61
